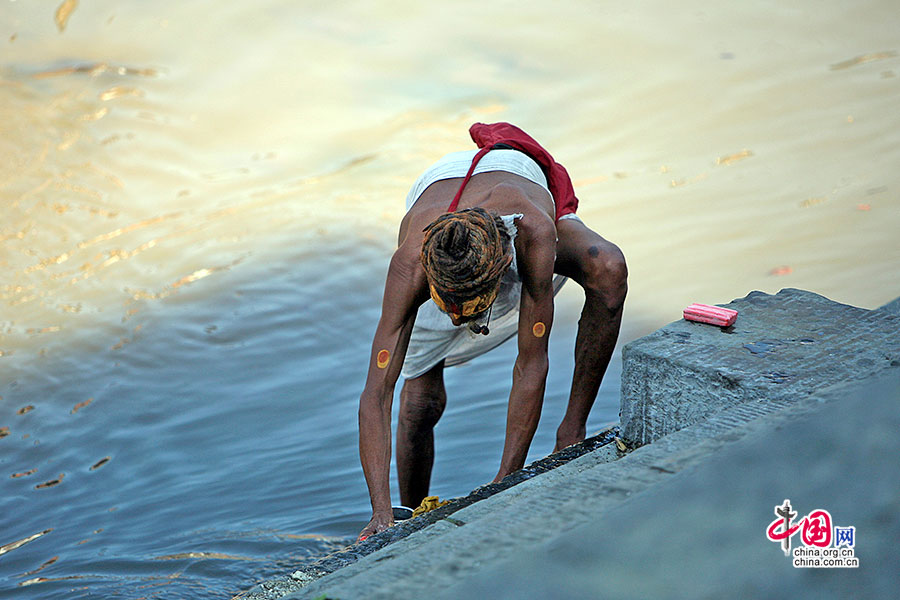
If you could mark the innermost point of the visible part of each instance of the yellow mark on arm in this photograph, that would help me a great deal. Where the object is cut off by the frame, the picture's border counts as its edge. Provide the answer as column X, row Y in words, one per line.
column 539, row 329
column 383, row 358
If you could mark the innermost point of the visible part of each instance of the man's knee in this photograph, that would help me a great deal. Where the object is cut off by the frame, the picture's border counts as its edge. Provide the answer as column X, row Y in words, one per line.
column 606, row 275
column 422, row 408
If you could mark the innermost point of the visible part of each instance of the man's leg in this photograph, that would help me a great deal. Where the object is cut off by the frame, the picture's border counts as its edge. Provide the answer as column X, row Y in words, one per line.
column 598, row 266
column 422, row 402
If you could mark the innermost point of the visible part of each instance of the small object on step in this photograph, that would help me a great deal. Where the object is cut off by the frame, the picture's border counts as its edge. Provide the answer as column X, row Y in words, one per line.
column 428, row 504
column 401, row 513
column 713, row 315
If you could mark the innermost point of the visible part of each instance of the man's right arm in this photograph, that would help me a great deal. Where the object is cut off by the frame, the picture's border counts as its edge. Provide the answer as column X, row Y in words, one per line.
column 405, row 290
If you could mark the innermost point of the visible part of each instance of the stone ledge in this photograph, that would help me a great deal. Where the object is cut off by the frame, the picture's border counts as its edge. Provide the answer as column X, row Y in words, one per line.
column 786, row 345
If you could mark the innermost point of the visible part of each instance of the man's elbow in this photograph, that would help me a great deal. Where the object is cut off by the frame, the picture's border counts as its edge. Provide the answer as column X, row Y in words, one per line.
column 533, row 370
column 369, row 406
column 373, row 404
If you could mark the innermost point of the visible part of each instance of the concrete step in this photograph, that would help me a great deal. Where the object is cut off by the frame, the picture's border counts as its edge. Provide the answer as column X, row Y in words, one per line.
column 782, row 346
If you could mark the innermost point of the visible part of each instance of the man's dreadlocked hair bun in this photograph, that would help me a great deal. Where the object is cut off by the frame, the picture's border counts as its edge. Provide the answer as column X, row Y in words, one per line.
column 465, row 254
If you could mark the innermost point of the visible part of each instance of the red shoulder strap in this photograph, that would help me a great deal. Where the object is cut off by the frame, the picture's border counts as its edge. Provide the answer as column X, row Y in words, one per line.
column 478, row 156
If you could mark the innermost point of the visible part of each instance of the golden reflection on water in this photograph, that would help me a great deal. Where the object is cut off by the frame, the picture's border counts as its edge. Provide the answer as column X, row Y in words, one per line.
column 812, row 201
column 63, row 13
column 119, row 91
column 733, row 158
column 688, row 180
column 862, row 59
column 57, row 170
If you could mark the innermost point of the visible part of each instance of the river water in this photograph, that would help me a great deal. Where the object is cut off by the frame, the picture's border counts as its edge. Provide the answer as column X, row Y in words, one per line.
column 198, row 202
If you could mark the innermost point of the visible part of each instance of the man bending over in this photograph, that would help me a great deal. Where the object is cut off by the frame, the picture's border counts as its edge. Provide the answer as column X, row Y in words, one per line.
column 484, row 233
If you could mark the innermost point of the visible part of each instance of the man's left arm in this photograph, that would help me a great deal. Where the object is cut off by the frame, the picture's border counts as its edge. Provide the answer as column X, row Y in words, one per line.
column 536, row 258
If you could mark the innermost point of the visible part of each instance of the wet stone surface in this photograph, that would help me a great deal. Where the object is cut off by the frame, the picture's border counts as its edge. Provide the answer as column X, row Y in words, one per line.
column 782, row 346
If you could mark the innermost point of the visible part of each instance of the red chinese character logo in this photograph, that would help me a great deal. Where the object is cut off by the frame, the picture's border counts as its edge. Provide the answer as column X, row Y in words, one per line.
column 776, row 536
column 817, row 529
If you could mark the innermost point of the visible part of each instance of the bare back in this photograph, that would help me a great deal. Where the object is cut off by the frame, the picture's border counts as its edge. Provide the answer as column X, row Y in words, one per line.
column 497, row 191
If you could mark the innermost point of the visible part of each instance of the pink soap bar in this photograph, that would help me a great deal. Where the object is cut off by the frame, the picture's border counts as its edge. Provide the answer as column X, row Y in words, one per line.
column 714, row 315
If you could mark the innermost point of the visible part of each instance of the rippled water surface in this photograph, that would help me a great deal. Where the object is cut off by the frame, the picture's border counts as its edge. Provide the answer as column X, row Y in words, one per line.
column 198, row 202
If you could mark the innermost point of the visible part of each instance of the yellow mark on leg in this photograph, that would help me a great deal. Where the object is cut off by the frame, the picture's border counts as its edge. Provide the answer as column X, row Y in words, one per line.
column 539, row 329
column 383, row 358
